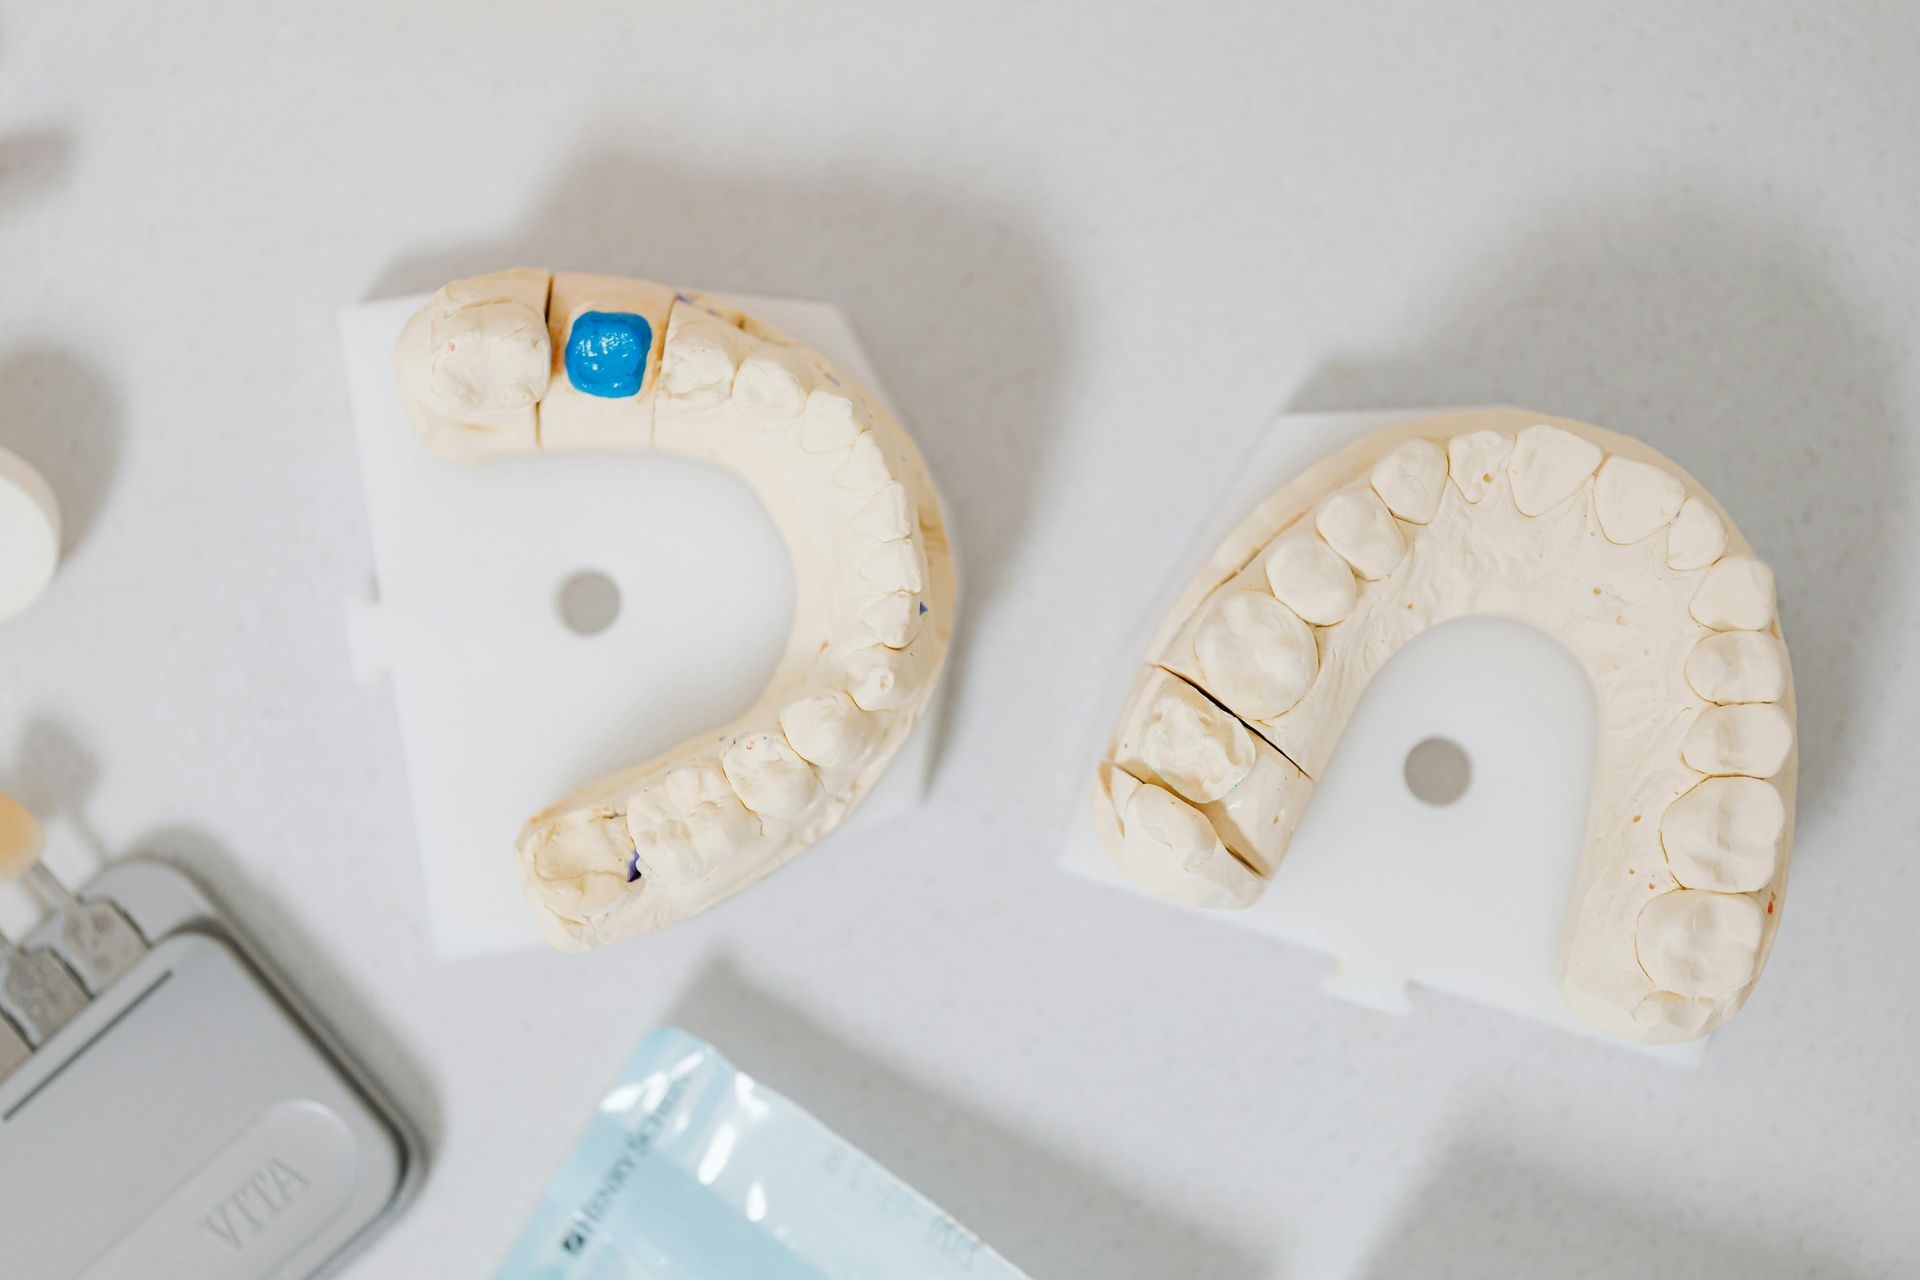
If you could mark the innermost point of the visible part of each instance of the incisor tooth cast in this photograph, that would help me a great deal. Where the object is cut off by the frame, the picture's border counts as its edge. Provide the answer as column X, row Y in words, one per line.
column 1738, row 666
column 1548, row 466
column 1736, row 595
column 1411, row 480
column 1724, row 834
column 1257, row 656
column 1634, row 500
column 1475, row 461
column 1698, row 536
column 1696, row 943
column 1753, row 738
column 1358, row 525
column 1310, row 578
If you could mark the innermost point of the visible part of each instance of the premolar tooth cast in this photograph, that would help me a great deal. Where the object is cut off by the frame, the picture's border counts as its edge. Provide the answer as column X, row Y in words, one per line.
column 1358, row 525
column 527, row 361
column 1257, row 656
column 1310, row 578
column 1753, row 738
column 1551, row 522
column 1738, row 666
column 1724, row 835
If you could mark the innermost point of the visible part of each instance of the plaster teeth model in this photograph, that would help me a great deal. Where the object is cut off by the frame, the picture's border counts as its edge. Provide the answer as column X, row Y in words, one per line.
column 528, row 361
column 1592, row 537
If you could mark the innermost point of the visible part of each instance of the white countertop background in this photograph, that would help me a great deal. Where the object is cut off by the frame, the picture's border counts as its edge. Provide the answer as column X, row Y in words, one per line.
column 1091, row 248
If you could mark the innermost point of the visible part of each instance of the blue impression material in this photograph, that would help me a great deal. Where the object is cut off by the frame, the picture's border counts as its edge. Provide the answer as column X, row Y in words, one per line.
column 607, row 353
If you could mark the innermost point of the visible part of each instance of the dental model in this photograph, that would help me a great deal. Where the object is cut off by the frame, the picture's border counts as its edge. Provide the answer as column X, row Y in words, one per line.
column 1590, row 536
column 529, row 361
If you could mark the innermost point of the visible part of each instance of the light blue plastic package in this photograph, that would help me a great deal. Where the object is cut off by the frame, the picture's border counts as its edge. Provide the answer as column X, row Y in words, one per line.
column 693, row 1171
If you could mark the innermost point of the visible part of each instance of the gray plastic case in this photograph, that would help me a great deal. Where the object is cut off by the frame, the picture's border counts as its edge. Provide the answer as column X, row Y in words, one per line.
column 193, row 1123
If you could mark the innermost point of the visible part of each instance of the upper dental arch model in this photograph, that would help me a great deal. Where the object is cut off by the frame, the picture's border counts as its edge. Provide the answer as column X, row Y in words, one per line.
column 527, row 361
column 1592, row 537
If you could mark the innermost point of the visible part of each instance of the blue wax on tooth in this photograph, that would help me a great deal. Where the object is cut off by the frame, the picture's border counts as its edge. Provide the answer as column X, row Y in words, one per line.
column 607, row 353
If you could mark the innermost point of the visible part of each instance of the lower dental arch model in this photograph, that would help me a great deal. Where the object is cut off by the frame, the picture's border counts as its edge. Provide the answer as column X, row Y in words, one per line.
column 1592, row 537
column 527, row 361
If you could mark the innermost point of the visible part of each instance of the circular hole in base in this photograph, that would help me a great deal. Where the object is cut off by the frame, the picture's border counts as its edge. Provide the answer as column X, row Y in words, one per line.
column 589, row 602
column 1438, row 771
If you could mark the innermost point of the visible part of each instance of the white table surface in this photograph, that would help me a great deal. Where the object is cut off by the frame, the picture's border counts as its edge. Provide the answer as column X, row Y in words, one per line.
column 1091, row 248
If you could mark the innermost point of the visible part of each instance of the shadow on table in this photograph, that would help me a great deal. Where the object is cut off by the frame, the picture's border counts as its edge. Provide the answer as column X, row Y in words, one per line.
column 54, row 775
column 1718, row 334
column 63, row 417
column 1487, row 1212
column 1045, row 1214
column 960, row 308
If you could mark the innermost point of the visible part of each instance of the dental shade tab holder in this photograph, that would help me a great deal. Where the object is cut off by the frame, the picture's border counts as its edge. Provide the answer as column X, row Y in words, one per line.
column 1466, row 898
column 176, row 1115
column 502, row 707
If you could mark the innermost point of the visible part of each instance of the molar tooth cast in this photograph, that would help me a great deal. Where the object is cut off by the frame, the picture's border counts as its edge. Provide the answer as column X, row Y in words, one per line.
column 1634, row 500
column 1548, row 466
column 1257, row 656
column 1411, row 480
column 1475, row 461
column 1358, row 525
column 645, row 366
column 1736, row 595
column 698, row 367
column 1310, row 578
column 1169, row 847
column 1752, row 738
column 1241, row 702
column 1724, row 835
column 1738, row 666
column 685, row 825
column 1696, row 943
column 1200, row 750
column 1698, row 536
